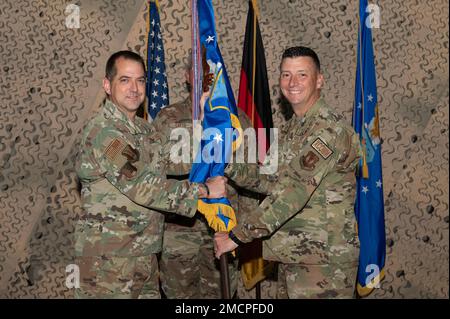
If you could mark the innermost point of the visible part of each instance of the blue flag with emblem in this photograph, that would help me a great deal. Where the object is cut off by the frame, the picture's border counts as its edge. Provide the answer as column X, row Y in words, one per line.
column 369, row 205
column 219, row 137
column 157, row 88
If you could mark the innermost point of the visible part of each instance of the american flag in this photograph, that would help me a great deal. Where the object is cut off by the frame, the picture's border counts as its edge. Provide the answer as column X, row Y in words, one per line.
column 157, row 88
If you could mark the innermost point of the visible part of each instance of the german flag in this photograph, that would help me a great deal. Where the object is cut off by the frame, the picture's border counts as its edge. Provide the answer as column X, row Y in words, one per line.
column 254, row 94
column 254, row 100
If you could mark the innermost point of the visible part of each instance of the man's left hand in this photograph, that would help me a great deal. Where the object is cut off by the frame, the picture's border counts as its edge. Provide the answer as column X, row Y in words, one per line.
column 223, row 244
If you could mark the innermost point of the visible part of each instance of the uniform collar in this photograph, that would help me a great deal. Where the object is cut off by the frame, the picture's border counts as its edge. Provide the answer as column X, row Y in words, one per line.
column 312, row 112
column 111, row 111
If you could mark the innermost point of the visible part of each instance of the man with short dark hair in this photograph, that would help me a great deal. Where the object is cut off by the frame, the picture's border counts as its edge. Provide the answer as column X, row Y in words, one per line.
column 119, row 165
column 307, row 220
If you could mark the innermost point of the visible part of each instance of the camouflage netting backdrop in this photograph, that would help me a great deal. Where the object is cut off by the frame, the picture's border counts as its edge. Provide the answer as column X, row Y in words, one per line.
column 50, row 84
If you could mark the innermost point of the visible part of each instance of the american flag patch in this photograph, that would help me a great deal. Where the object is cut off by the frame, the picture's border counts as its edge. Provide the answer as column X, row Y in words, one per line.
column 114, row 148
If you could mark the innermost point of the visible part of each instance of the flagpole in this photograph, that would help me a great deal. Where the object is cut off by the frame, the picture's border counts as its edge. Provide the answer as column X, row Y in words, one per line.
column 255, row 17
column 254, row 100
column 365, row 169
column 196, row 64
column 225, row 277
column 196, row 93
column 201, row 48
column 369, row 210
column 258, row 290
column 255, row 20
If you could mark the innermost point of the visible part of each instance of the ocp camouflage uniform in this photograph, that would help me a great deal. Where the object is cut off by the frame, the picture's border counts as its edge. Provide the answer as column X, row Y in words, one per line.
column 309, row 213
column 188, row 267
column 117, row 238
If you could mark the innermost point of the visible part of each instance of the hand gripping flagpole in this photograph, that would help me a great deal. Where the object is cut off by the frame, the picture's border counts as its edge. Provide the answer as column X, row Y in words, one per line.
column 225, row 277
column 196, row 92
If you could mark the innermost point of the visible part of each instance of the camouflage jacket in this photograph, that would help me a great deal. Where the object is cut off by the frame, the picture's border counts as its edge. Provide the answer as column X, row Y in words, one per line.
column 308, row 216
column 119, row 166
column 175, row 116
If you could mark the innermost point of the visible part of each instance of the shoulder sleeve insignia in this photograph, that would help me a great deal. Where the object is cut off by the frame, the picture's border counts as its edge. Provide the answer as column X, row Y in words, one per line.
column 321, row 148
column 121, row 154
column 309, row 161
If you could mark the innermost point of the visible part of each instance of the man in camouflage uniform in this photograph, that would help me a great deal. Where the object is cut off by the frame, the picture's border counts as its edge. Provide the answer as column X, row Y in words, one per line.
column 119, row 165
column 187, row 265
column 307, row 220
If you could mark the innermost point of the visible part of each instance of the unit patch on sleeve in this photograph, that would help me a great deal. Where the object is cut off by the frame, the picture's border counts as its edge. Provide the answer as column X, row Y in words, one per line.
column 322, row 148
column 309, row 161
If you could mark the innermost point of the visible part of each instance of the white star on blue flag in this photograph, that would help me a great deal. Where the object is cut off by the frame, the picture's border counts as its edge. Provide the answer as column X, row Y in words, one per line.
column 369, row 203
column 157, row 94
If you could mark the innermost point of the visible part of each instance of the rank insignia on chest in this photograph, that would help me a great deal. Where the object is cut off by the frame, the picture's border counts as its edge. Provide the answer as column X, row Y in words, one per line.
column 321, row 148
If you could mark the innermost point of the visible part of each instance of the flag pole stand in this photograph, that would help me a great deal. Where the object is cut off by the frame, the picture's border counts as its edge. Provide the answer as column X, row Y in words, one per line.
column 225, row 277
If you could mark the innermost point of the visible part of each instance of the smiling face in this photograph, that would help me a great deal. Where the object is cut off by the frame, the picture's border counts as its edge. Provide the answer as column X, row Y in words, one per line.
column 300, row 83
column 127, row 88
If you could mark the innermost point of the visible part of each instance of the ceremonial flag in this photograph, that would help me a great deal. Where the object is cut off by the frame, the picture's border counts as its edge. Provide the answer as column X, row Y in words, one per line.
column 157, row 88
column 369, row 205
column 220, row 118
column 254, row 93
column 254, row 100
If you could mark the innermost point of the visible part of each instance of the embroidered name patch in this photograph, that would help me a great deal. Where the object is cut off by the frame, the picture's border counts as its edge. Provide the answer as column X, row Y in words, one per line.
column 322, row 148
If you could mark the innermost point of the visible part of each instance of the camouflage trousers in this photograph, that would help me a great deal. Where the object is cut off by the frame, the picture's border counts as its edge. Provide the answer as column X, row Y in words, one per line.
column 297, row 281
column 189, row 269
column 118, row 277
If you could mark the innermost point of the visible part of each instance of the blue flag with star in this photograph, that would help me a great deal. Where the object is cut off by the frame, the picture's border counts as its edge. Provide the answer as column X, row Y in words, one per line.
column 219, row 137
column 157, row 88
column 369, row 205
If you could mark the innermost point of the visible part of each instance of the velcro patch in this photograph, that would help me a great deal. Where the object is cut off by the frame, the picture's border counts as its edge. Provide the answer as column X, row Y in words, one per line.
column 114, row 148
column 128, row 170
column 322, row 148
column 131, row 154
